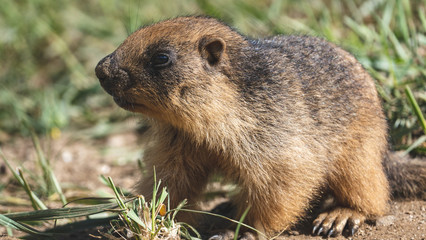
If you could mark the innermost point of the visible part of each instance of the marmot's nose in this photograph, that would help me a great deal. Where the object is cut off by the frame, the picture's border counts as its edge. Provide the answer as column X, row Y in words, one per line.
column 112, row 78
column 103, row 69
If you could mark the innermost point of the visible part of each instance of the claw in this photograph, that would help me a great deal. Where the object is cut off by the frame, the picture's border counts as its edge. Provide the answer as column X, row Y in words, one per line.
column 320, row 230
column 354, row 229
column 330, row 233
column 225, row 235
column 216, row 237
column 315, row 229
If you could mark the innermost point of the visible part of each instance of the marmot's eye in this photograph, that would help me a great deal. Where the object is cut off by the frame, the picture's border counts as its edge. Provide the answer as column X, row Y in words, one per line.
column 160, row 60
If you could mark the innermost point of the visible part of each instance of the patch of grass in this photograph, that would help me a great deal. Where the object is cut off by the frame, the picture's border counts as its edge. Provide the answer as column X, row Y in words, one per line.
column 143, row 220
column 139, row 219
column 47, row 184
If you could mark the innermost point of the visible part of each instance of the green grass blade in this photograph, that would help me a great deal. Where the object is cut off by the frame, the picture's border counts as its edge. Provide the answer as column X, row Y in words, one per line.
column 237, row 230
column 153, row 203
column 388, row 11
column 60, row 213
column 417, row 143
column 178, row 208
column 162, row 197
column 117, row 195
column 57, row 188
column 9, row 231
column 91, row 200
column 8, row 222
column 397, row 46
column 402, row 20
column 186, row 234
column 361, row 30
column 105, row 181
column 422, row 17
column 17, row 177
column 49, row 176
column 37, row 203
column 122, row 205
column 42, row 161
column 132, row 215
column 416, row 108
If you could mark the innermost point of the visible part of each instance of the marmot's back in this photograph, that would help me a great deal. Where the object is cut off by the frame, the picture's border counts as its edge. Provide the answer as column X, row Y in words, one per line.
column 334, row 85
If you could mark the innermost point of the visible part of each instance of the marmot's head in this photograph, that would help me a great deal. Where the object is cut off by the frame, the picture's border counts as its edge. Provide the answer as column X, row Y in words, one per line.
column 171, row 69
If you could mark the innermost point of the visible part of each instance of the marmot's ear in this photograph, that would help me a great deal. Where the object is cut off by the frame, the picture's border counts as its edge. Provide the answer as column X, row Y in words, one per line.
column 211, row 49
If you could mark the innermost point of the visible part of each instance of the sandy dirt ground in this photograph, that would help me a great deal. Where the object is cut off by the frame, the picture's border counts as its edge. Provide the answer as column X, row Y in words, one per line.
column 78, row 162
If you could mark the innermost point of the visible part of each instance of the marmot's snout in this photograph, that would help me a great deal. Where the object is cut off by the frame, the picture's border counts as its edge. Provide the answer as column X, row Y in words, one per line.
column 112, row 78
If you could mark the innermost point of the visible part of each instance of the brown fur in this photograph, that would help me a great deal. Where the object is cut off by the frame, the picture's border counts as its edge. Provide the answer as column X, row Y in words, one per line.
column 284, row 117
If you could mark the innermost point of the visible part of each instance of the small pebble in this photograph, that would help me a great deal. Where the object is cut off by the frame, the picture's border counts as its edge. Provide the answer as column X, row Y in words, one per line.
column 67, row 157
column 105, row 169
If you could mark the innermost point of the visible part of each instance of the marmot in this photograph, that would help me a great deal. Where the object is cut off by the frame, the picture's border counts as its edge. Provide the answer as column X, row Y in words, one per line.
column 287, row 118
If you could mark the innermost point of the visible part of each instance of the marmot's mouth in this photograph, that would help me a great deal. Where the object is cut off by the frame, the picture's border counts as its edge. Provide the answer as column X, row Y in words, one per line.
column 130, row 106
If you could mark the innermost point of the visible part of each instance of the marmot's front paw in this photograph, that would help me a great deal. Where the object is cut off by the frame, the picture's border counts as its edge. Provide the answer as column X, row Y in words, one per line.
column 333, row 222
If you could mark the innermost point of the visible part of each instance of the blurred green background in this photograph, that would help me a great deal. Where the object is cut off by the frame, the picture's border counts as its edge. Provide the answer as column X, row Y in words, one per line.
column 49, row 49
